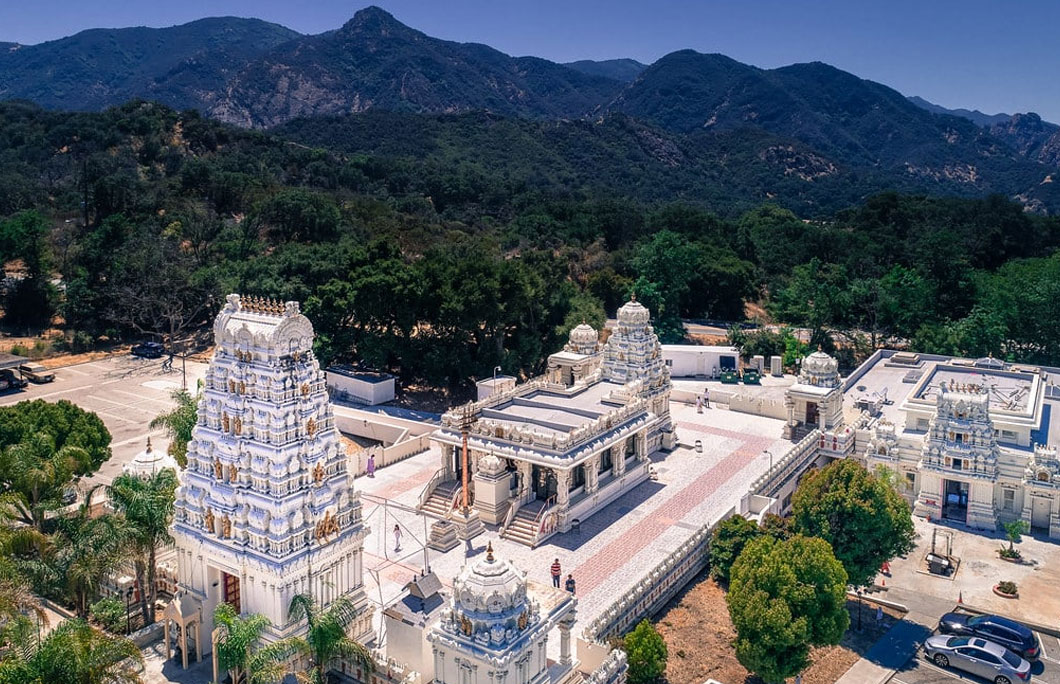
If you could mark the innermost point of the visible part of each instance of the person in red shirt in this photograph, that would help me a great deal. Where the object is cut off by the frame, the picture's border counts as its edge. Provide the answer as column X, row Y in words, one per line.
column 557, row 572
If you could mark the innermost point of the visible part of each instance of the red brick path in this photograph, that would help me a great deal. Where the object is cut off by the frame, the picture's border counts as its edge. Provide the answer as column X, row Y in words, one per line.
column 599, row 567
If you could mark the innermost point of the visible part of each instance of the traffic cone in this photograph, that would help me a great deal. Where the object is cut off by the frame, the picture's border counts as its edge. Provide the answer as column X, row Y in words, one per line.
column 960, row 598
column 883, row 582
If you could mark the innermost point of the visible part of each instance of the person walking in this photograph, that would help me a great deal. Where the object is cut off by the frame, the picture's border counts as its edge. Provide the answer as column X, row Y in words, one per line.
column 371, row 465
column 569, row 585
column 397, row 537
column 557, row 572
column 706, row 397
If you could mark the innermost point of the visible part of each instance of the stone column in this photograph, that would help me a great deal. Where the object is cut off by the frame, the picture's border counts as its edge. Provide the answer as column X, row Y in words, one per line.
column 562, row 487
column 641, row 442
column 564, row 640
column 526, row 472
column 592, row 475
column 619, row 460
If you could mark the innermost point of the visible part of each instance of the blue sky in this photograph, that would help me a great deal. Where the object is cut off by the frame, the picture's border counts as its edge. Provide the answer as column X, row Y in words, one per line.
column 988, row 55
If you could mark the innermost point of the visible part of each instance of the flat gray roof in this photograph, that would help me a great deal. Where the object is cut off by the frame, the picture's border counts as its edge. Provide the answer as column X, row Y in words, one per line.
column 555, row 412
column 11, row 361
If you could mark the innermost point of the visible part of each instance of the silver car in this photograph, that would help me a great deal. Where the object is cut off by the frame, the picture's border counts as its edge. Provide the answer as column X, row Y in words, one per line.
column 978, row 656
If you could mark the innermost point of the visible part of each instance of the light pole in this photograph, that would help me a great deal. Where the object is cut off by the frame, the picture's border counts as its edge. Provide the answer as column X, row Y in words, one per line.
column 128, row 603
column 770, row 454
column 495, row 369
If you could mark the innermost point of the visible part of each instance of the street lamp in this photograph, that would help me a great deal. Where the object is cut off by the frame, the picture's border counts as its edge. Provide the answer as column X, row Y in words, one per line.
column 770, row 454
column 495, row 369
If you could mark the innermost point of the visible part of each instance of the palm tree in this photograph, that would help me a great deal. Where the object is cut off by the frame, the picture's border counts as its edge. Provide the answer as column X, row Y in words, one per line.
column 146, row 504
column 84, row 553
column 239, row 651
column 178, row 424
column 37, row 476
column 78, row 653
column 326, row 637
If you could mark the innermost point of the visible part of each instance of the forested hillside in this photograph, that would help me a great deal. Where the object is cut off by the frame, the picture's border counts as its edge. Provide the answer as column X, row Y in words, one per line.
column 139, row 219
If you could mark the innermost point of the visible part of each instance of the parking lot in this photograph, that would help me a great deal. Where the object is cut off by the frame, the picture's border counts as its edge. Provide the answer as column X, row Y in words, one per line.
column 126, row 392
column 920, row 671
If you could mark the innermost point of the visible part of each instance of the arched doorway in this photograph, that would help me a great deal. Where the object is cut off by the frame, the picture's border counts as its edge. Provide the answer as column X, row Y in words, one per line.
column 544, row 483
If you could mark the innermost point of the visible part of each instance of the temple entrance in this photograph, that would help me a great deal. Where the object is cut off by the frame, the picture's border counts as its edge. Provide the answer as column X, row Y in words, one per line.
column 955, row 500
column 1040, row 508
column 813, row 413
column 544, row 483
column 458, row 462
column 230, row 584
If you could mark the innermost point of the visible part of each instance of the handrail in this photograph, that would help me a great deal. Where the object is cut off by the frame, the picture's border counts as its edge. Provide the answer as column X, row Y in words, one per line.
column 431, row 485
column 513, row 508
column 456, row 498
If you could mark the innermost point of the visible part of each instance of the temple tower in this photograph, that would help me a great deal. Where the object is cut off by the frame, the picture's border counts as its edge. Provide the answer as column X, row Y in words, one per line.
column 267, row 509
column 958, row 462
column 633, row 357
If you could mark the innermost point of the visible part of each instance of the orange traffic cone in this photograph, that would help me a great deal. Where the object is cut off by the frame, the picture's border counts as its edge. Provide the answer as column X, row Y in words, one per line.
column 883, row 582
column 960, row 598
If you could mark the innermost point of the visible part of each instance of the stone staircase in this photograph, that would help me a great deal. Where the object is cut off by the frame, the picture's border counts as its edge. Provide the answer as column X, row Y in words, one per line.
column 524, row 524
column 440, row 501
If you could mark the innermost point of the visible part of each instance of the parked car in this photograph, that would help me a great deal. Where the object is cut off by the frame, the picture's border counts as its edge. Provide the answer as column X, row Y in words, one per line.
column 11, row 381
column 1009, row 633
column 149, row 350
column 980, row 657
column 36, row 372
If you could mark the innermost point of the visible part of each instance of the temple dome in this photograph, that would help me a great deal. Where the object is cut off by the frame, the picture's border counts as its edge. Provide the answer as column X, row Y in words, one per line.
column 583, row 339
column 490, row 587
column 633, row 313
column 819, row 369
column 150, row 462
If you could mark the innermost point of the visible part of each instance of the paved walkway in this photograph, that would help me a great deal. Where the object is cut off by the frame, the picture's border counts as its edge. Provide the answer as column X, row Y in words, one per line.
column 616, row 547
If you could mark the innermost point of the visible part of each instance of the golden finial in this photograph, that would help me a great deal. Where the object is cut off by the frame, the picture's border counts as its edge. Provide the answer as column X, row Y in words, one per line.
column 489, row 552
column 633, row 296
column 149, row 443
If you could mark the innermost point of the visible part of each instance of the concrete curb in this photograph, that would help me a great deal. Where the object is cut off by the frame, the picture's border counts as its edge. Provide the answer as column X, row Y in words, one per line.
column 883, row 602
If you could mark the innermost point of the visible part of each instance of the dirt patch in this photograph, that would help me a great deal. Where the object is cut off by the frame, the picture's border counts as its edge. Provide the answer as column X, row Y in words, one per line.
column 699, row 636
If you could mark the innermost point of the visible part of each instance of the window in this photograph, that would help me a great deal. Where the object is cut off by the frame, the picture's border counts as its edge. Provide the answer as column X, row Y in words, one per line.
column 670, row 363
column 1008, row 498
column 1008, row 435
column 958, row 464
column 989, row 658
column 921, row 423
column 910, row 478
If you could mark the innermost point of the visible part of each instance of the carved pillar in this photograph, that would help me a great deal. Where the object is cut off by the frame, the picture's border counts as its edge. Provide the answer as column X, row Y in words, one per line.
column 526, row 472
column 562, row 487
column 641, row 445
column 592, row 474
column 618, row 458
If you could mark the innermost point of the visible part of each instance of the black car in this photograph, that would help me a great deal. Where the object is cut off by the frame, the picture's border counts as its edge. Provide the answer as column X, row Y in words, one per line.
column 10, row 381
column 1009, row 633
column 149, row 350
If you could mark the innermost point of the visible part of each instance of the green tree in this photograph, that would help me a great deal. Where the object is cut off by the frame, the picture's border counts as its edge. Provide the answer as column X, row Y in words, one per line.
column 646, row 650
column 77, row 653
column 728, row 540
column 82, row 554
column 784, row 597
column 1014, row 531
column 37, row 476
column 178, row 423
column 326, row 639
column 30, row 301
column 240, row 651
column 865, row 520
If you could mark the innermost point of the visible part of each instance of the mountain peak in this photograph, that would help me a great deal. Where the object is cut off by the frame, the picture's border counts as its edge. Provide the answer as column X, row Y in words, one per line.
column 373, row 19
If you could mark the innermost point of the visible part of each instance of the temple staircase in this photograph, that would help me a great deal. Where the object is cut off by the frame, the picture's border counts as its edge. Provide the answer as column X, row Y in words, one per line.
column 525, row 524
column 440, row 502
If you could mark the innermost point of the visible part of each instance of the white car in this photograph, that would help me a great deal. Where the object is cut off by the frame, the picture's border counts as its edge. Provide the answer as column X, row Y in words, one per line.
column 990, row 661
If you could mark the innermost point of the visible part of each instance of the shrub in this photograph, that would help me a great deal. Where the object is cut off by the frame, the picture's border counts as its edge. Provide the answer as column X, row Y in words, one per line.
column 647, row 654
column 19, row 350
column 1008, row 553
column 109, row 612
column 1007, row 587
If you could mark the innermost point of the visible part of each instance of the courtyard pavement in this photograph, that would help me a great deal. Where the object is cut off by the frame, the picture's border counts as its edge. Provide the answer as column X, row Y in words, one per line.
column 615, row 547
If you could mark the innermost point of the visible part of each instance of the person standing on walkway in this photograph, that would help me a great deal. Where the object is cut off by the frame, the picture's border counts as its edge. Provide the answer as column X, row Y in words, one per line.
column 397, row 537
column 569, row 585
column 557, row 572
column 371, row 465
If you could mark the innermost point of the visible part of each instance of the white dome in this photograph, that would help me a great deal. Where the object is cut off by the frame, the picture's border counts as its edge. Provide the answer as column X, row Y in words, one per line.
column 819, row 369
column 150, row 462
column 583, row 339
column 633, row 313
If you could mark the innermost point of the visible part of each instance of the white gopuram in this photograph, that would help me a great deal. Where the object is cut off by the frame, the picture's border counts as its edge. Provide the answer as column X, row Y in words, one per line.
column 496, row 630
column 266, row 509
column 632, row 356
column 959, row 459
